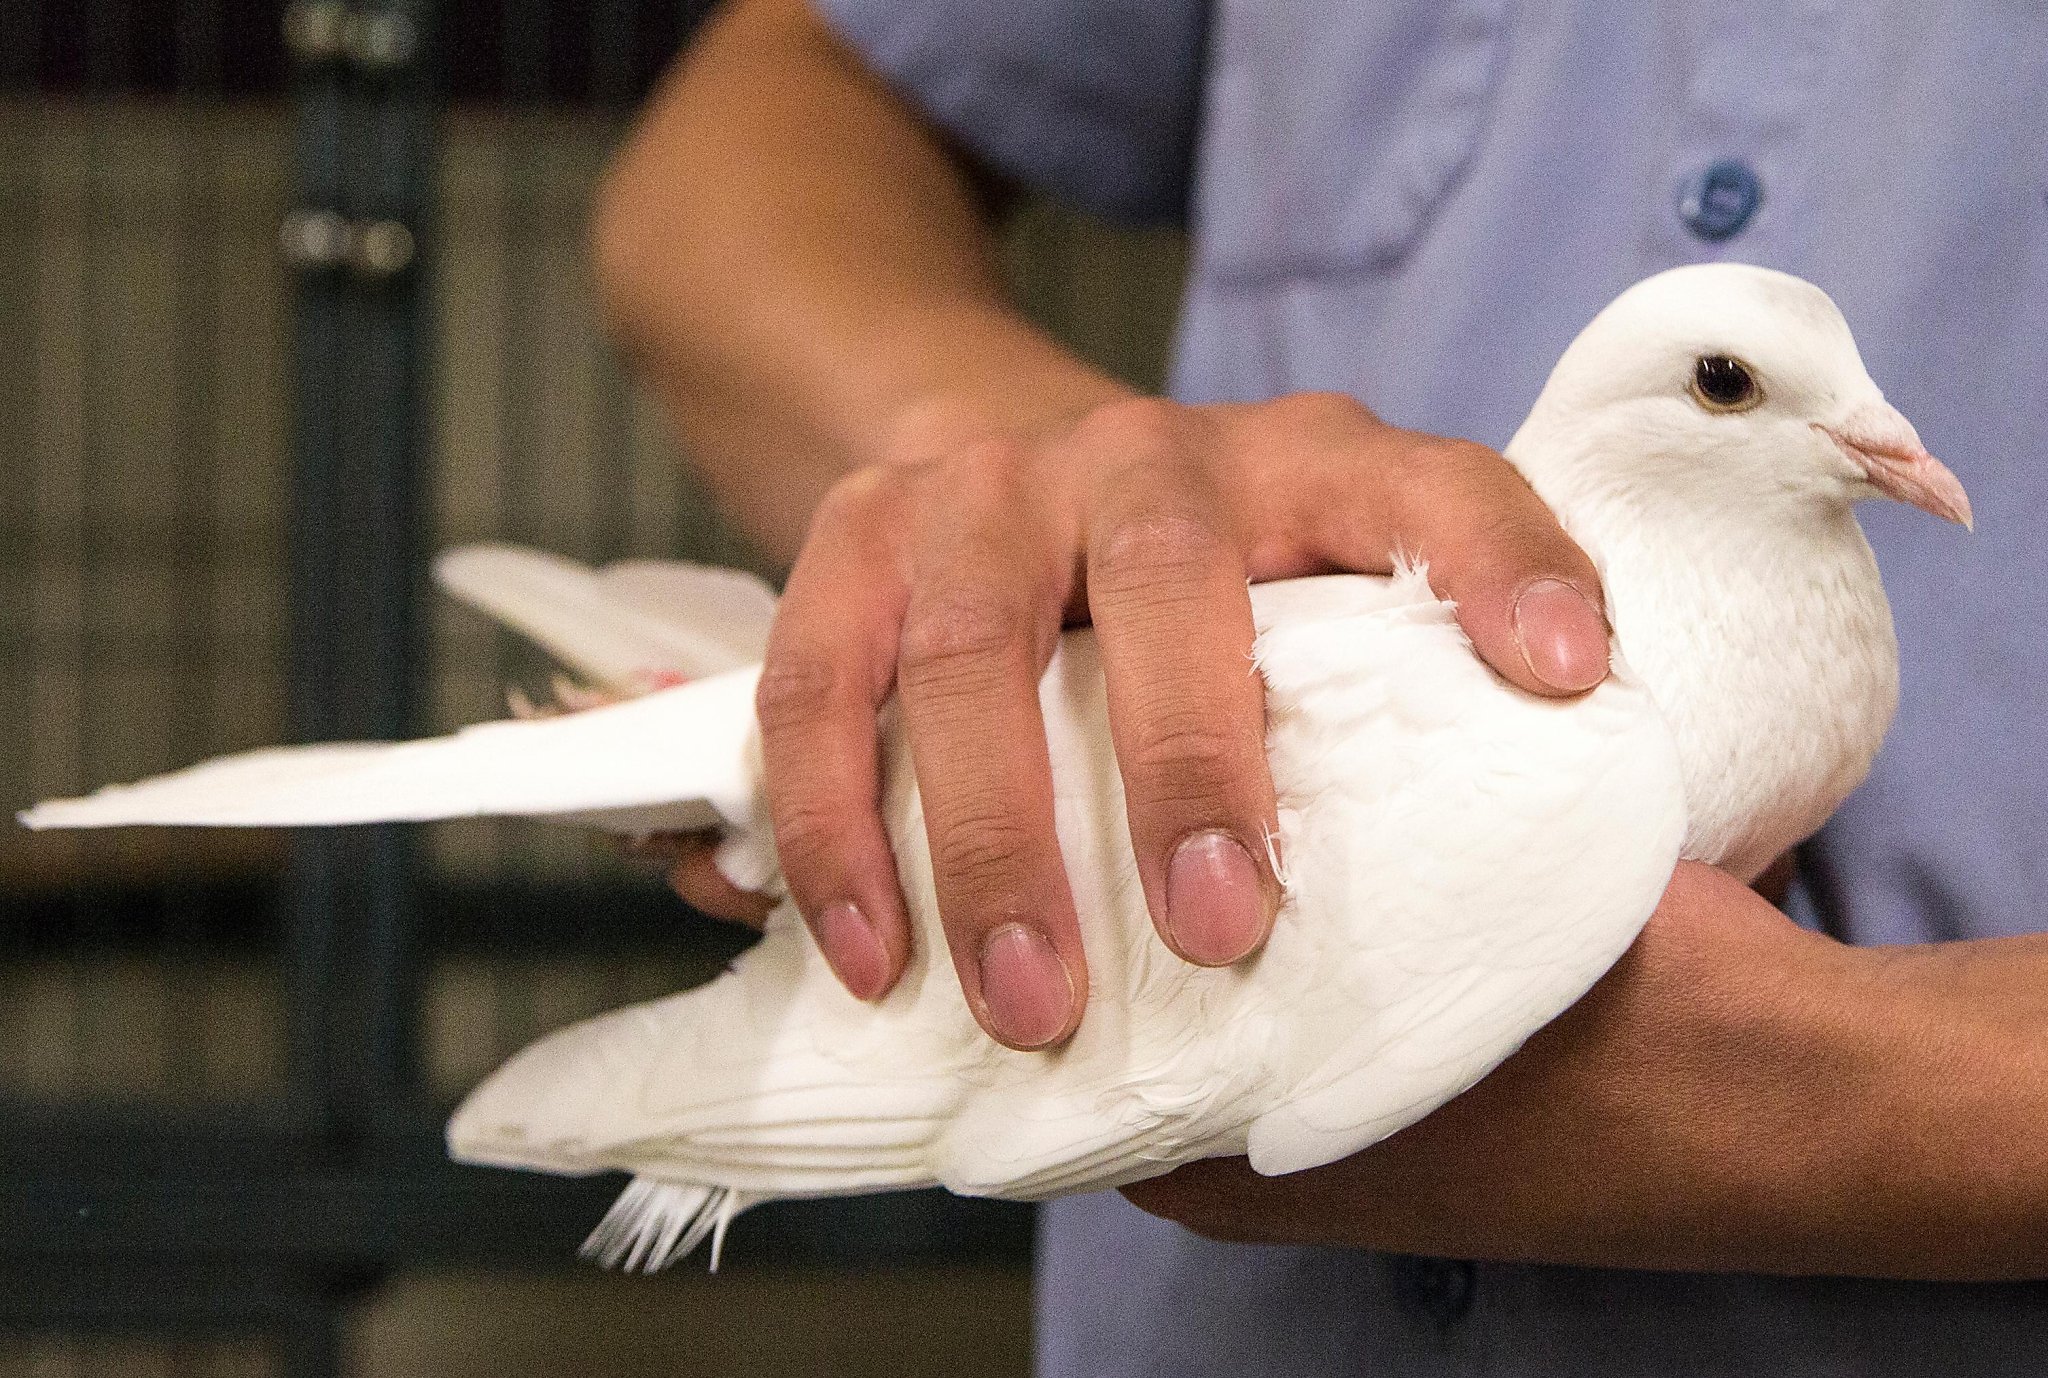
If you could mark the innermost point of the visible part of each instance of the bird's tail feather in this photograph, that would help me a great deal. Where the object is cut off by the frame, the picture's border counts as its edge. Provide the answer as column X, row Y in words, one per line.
column 655, row 1223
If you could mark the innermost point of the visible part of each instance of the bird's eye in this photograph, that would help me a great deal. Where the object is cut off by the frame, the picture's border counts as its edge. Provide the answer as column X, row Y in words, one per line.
column 1720, row 383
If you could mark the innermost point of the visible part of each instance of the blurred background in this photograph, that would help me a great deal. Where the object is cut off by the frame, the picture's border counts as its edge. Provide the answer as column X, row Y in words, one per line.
column 291, row 296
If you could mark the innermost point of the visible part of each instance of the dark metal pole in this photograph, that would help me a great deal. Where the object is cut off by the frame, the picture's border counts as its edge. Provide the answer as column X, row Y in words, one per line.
column 365, row 132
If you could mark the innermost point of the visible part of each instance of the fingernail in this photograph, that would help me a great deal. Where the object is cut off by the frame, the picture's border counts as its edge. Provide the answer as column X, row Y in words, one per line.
column 854, row 950
column 1562, row 635
column 1215, row 908
column 1025, row 987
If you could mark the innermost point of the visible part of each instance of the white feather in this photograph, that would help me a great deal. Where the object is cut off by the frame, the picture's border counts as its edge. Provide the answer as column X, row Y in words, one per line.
column 1464, row 860
column 774, row 1081
column 673, row 759
column 630, row 626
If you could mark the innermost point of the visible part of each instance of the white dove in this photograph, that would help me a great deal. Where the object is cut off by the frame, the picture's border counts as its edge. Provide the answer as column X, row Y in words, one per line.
column 1463, row 859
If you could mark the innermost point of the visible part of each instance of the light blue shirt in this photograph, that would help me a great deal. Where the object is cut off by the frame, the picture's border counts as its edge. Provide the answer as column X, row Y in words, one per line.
column 1420, row 202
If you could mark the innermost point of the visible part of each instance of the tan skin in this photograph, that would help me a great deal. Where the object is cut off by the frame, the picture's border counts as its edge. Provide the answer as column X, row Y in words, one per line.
column 806, row 274
column 1736, row 1094
column 970, row 488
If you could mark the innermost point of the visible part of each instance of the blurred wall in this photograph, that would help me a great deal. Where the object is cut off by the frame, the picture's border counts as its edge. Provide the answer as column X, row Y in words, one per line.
column 144, row 332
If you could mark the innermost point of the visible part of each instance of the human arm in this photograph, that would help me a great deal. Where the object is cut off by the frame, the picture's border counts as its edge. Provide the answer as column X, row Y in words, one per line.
column 1736, row 1094
column 807, row 275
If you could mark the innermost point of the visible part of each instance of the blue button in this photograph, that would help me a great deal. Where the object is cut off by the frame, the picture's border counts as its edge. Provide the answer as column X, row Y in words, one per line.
column 1719, row 202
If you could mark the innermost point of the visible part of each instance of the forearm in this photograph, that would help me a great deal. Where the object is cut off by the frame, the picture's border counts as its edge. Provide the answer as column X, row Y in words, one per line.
column 1789, row 1105
column 1736, row 1095
column 806, row 276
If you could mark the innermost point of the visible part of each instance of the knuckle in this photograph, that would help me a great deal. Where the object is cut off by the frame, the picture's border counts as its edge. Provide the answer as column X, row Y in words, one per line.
column 795, row 692
column 1155, row 553
column 984, row 846
column 985, row 493
column 950, row 634
column 991, row 468
column 1184, row 757
column 1514, row 540
column 1460, row 461
column 1462, row 483
column 860, row 498
column 806, row 832
column 1326, row 413
column 1135, row 426
column 1509, row 537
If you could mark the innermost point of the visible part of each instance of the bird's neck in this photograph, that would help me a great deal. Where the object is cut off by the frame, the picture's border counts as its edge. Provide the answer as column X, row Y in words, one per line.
column 1760, row 628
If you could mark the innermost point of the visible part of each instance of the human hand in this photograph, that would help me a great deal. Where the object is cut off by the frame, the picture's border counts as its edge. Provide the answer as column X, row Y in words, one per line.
column 945, row 576
column 1736, row 1093
column 690, row 863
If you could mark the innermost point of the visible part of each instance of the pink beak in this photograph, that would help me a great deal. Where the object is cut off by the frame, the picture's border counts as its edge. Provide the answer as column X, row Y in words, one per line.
column 1884, row 447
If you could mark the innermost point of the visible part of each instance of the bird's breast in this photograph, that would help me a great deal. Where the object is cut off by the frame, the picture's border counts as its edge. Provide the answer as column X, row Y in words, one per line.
column 1776, row 666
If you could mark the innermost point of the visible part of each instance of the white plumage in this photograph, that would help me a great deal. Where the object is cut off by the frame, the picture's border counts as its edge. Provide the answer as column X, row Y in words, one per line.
column 624, row 626
column 1463, row 860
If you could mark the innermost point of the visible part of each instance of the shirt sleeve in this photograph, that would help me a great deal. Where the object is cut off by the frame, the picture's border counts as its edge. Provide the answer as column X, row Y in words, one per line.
column 1097, row 101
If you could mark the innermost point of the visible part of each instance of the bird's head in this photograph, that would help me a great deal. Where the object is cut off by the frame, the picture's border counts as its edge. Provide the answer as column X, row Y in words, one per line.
column 1733, row 379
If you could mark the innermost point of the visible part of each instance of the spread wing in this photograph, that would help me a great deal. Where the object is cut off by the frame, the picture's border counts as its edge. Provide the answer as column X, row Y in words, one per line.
column 678, row 758
column 629, row 626
column 675, row 759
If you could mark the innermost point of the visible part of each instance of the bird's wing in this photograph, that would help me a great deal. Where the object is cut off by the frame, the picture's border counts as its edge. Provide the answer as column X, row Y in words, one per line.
column 773, row 1082
column 1475, row 857
column 770, row 1080
column 628, row 626
column 1462, row 862
column 675, row 759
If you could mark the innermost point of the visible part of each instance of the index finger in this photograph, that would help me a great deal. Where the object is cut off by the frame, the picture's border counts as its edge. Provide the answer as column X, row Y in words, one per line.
column 829, row 665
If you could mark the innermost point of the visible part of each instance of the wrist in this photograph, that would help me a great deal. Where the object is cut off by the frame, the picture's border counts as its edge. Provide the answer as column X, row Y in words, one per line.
column 1952, row 1172
column 1700, row 1108
column 1893, row 1099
